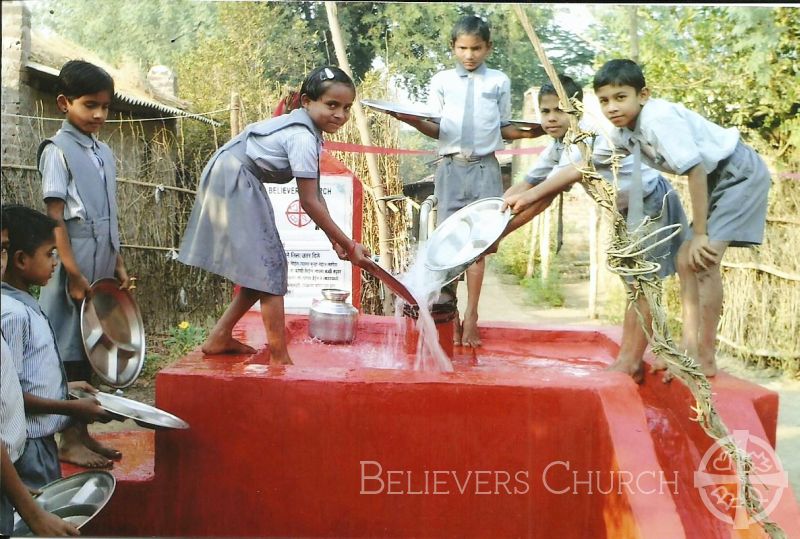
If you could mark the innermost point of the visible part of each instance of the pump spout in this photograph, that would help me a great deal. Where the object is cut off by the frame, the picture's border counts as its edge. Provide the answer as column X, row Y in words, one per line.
column 427, row 208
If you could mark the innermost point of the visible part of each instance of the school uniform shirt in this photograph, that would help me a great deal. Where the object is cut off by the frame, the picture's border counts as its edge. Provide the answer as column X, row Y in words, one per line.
column 550, row 159
column 488, row 110
column 33, row 351
column 12, row 407
column 56, row 181
column 231, row 230
column 674, row 139
column 294, row 147
column 555, row 158
column 81, row 171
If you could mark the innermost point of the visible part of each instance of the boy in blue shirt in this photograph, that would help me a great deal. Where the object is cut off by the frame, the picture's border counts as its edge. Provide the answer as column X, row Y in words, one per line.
column 474, row 103
column 558, row 168
column 13, row 492
column 728, row 186
column 32, row 346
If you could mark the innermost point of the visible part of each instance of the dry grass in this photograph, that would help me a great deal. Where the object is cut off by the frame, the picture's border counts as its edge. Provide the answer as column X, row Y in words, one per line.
column 151, row 220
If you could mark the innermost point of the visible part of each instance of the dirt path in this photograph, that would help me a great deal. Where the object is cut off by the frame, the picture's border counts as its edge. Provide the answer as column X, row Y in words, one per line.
column 503, row 300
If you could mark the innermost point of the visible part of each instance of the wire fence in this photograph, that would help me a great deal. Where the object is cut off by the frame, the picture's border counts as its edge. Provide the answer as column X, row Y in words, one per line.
column 155, row 195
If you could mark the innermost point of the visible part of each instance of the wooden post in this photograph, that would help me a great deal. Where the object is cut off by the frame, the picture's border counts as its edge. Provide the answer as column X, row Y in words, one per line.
column 633, row 22
column 384, row 235
column 531, row 267
column 236, row 124
column 594, row 256
column 544, row 244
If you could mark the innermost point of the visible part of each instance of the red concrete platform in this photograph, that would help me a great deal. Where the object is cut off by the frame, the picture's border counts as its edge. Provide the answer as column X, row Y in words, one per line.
column 529, row 436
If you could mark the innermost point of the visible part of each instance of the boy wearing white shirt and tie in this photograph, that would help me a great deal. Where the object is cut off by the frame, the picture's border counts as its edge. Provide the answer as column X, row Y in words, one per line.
column 474, row 103
column 728, row 186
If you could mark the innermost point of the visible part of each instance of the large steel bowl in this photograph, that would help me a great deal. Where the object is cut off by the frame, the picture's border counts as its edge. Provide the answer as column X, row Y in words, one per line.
column 464, row 236
column 113, row 333
column 76, row 499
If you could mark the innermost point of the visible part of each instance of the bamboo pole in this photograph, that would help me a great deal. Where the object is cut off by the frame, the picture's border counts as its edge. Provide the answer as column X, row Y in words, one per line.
column 594, row 257
column 544, row 244
column 633, row 25
column 236, row 126
column 678, row 364
column 531, row 266
column 384, row 234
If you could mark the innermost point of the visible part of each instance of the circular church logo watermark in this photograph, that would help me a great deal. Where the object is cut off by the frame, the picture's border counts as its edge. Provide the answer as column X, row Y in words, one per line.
column 718, row 482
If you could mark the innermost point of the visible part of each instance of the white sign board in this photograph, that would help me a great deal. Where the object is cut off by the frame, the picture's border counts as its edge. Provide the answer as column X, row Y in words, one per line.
column 313, row 264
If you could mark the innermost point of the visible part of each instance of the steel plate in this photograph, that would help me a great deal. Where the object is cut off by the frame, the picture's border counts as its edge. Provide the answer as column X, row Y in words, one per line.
column 76, row 499
column 143, row 414
column 528, row 126
column 391, row 281
column 464, row 236
column 386, row 106
column 113, row 333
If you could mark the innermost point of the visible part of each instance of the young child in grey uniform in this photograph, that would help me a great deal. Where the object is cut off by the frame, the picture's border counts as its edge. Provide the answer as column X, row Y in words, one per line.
column 558, row 168
column 474, row 103
column 33, row 350
column 13, row 492
column 728, row 186
column 79, row 189
column 232, row 232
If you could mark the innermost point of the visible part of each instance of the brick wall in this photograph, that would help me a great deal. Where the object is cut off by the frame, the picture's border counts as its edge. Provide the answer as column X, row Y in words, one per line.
column 16, row 49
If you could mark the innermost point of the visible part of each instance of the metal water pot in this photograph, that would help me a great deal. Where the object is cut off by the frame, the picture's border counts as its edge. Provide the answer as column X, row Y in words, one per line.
column 332, row 319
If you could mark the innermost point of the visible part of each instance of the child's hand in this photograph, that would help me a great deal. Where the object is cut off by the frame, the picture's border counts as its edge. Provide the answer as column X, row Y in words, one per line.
column 407, row 118
column 121, row 273
column 359, row 255
column 45, row 524
column 701, row 255
column 520, row 202
column 88, row 410
column 511, row 201
column 82, row 385
column 78, row 287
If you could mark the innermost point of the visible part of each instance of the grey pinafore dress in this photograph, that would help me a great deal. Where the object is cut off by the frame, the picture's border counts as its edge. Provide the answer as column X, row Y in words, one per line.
column 94, row 241
column 231, row 230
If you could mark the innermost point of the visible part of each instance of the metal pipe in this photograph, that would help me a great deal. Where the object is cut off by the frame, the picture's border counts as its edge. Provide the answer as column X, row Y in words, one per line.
column 426, row 208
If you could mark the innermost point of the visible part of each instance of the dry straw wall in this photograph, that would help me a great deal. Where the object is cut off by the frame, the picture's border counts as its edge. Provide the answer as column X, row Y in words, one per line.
column 761, row 312
column 155, row 196
column 153, row 206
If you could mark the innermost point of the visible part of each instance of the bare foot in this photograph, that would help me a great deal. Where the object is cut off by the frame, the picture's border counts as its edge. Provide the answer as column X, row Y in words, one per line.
column 634, row 368
column 708, row 367
column 95, row 446
column 266, row 356
column 457, row 331
column 226, row 346
column 81, row 455
column 471, row 335
column 658, row 365
column 280, row 358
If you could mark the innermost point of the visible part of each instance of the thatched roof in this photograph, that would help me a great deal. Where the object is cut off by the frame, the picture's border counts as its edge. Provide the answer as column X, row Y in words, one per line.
column 49, row 52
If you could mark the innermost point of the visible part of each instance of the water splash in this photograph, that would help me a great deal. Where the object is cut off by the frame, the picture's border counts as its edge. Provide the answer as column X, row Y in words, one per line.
column 425, row 284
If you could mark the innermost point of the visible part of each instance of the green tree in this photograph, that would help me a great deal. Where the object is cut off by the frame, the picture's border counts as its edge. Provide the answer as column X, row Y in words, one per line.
column 418, row 44
column 737, row 66
column 149, row 32
column 260, row 50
